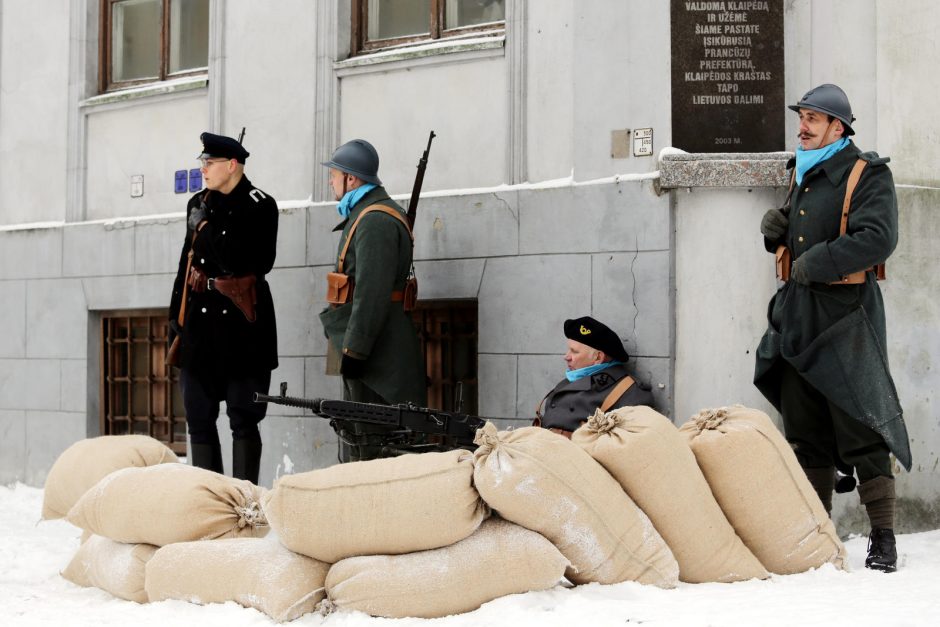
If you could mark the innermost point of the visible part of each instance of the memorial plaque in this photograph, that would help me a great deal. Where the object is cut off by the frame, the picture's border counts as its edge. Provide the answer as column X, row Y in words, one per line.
column 727, row 76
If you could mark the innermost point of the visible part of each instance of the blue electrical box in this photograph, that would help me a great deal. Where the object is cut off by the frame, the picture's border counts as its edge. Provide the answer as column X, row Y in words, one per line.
column 195, row 180
column 180, row 182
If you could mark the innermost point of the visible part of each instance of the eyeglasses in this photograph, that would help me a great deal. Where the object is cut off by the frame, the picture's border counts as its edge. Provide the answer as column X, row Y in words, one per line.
column 205, row 163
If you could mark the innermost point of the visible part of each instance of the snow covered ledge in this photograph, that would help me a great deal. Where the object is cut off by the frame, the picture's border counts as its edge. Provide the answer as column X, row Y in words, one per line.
column 722, row 169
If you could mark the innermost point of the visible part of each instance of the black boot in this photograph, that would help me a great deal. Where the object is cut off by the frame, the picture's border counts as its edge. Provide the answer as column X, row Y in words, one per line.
column 246, row 459
column 882, row 551
column 208, row 456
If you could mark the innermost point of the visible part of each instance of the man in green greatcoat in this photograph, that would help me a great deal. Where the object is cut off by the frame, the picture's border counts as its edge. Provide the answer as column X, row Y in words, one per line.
column 365, row 322
column 823, row 360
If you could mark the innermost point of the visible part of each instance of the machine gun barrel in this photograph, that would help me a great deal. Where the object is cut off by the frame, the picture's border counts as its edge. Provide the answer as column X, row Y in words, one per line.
column 455, row 429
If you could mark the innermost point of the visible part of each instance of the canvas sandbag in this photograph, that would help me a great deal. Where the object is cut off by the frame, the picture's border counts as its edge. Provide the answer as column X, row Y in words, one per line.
column 498, row 559
column 383, row 506
column 653, row 463
column 170, row 503
column 546, row 483
column 257, row 573
column 762, row 490
column 111, row 566
column 86, row 462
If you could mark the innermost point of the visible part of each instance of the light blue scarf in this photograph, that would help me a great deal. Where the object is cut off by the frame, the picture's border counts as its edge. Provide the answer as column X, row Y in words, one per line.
column 807, row 159
column 580, row 373
column 351, row 198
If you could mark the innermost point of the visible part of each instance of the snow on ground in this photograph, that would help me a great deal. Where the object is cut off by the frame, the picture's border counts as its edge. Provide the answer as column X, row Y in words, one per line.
column 33, row 593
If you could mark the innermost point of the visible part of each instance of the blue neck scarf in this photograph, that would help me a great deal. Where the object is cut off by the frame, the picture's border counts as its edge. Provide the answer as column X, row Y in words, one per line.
column 580, row 373
column 351, row 198
column 806, row 160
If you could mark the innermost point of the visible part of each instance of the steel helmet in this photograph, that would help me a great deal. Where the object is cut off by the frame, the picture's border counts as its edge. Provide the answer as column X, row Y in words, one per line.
column 831, row 100
column 357, row 157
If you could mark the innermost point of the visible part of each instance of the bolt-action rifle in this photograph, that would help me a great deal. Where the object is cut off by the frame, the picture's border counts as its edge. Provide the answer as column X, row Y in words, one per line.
column 416, row 429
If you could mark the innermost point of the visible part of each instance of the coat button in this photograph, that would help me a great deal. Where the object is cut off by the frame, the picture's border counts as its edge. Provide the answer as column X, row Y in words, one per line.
column 800, row 238
column 802, row 213
column 225, row 311
column 203, row 310
column 202, row 261
column 806, row 190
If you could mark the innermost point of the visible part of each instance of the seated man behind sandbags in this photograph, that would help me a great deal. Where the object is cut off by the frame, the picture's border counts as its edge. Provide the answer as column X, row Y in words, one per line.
column 597, row 377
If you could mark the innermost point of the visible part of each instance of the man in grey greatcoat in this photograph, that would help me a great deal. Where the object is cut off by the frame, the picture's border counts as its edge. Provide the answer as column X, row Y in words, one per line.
column 823, row 360
column 365, row 322
column 597, row 377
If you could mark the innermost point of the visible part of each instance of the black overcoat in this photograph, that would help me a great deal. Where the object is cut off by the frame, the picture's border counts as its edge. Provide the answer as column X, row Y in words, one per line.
column 240, row 238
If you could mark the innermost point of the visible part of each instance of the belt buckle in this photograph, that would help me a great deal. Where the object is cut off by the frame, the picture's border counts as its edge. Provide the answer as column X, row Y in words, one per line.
column 210, row 283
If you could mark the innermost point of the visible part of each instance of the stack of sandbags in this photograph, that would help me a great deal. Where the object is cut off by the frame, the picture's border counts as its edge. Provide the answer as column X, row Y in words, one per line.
column 86, row 462
column 548, row 484
column 252, row 572
column 499, row 559
column 653, row 463
column 170, row 503
column 378, row 507
column 762, row 490
column 112, row 566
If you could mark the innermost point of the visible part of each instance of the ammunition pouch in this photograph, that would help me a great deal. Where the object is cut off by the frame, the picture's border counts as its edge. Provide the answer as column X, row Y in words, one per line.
column 338, row 288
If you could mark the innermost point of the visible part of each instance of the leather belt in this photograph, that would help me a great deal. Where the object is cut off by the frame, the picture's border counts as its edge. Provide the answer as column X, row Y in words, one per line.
column 398, row 296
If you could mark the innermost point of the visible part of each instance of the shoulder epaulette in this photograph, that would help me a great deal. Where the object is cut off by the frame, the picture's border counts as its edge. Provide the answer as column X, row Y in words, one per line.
column 873, row 159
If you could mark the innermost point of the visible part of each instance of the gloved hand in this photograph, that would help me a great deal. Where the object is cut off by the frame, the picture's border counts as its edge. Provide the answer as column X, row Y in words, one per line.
column 196, row 216
column 773, row 225
column 799, row 273
column 352, row 368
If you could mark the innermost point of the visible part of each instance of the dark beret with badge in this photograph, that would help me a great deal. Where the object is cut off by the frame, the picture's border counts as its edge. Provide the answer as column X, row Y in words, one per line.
column 221, row 147
column 597, row 335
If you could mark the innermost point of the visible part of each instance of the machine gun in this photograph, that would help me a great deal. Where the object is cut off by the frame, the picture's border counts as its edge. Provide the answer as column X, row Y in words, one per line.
column 413, row 429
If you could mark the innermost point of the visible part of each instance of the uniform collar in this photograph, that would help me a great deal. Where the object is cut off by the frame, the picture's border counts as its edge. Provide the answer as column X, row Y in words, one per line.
column 836, row 166
column 371, row 198
column 586, row 383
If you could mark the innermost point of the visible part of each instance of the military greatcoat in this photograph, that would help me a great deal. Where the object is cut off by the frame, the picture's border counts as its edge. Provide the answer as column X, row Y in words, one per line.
column 239, row 238
column 572, row 402
column 834, row 335
column 378, row 262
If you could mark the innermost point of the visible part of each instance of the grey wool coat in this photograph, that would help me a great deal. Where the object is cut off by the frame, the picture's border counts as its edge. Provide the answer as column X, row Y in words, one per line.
column 834, row 335
column 378, row 262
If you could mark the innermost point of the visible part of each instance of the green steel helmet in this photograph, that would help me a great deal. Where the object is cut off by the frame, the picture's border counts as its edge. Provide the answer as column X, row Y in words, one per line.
column 831, row 100
column 357, row 157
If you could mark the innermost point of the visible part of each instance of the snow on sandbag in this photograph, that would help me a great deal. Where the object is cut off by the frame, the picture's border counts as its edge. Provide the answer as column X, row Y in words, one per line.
column 499, row 559
column 762, row 490
column 252, row 572
column 382, row 506
column 112, row 566
column 86, row 462
column 546, row 483
column 645, row 453
column 170, row 503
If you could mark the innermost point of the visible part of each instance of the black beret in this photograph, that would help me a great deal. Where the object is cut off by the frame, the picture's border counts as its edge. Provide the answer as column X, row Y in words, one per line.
column 597, row 335
column 223, row 147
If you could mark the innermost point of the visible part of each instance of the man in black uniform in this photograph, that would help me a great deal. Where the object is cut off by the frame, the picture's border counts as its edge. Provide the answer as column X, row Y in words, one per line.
column 823, row 360
column 597, row 377
column 228, row 334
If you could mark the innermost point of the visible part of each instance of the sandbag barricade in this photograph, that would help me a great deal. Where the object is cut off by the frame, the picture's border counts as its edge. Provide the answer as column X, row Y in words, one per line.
column 499, row 559
column 252, row 572
column 111, row 566
column 170, row 503
column 86, row 462
column 383, row 506
column 653, row 463
column 546, row 483
column 762, row 490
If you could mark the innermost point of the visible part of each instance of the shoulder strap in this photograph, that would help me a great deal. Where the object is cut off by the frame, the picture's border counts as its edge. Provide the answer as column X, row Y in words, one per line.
column 619, row 390
column 382, row 208
column 854, row 176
